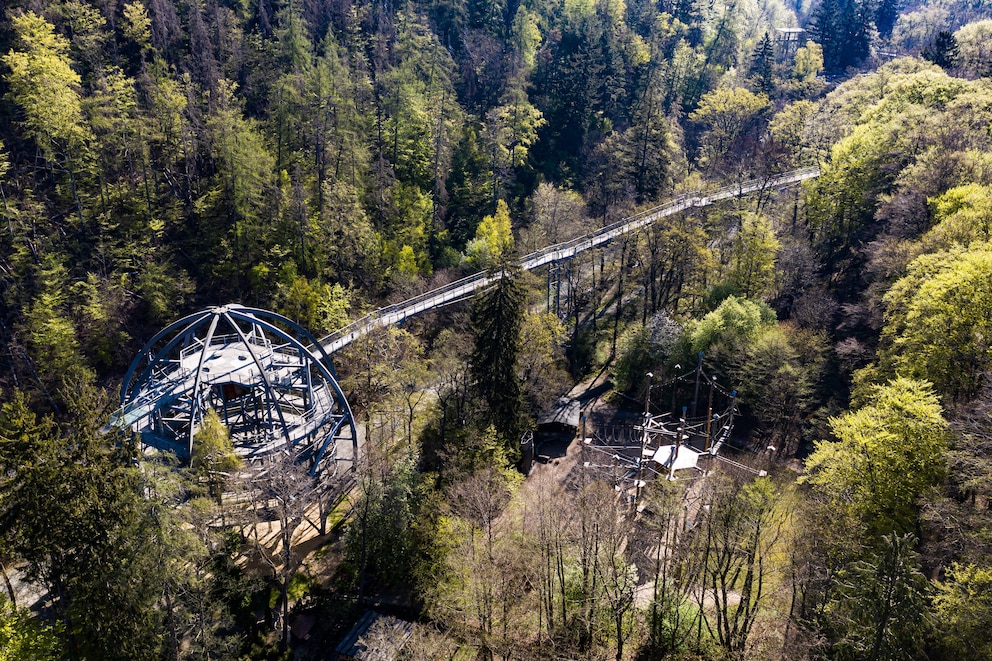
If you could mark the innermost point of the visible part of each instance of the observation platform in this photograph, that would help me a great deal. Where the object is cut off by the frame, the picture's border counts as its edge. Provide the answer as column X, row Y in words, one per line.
column 255, row 370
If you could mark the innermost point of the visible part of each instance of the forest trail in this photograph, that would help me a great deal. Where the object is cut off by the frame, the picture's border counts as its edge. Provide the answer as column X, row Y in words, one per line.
column 466, row 287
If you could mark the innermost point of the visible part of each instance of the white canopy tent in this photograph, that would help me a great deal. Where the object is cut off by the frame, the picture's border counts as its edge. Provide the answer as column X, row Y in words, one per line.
column 676, row 458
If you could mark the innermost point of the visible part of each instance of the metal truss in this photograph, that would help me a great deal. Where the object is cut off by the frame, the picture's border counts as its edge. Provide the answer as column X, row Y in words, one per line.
column 268, row 379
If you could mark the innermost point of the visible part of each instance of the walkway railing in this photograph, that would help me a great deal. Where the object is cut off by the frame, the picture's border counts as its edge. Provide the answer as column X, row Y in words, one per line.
column 466, row 287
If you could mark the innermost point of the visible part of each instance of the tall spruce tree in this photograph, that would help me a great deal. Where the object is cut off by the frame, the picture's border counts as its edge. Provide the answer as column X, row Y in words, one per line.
column 763, row 66
column 72, row 510
column 885, row 16
column 880, row 610
column 942, row 51
column 496, row 318
column 843, row 28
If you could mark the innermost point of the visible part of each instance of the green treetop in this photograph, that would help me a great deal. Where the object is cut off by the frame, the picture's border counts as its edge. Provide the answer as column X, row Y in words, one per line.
column 734, row 321
column 493, row 240
column 887, row 454
column 44, row 85
column 754, row 252
column 937, row 323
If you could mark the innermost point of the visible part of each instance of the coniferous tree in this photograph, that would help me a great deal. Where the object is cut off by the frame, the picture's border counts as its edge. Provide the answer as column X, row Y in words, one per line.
column 690, row 12
column 881, row 604
column 942, row 51
column 72, row 509
column 45, row 87
column 859, row 25
column 825, row 21
column 650, row 147
column 885, row 17
column 843, row 28
column 762, row 66
column 497, row 317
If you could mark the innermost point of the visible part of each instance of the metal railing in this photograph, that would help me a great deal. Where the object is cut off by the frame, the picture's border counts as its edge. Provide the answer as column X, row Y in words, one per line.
column 467, row 286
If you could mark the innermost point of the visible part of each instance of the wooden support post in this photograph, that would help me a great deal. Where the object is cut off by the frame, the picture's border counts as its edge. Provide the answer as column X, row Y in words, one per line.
column 699, row 371
column 709, row 413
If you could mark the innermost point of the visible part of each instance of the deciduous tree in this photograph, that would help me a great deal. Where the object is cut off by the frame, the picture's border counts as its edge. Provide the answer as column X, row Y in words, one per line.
column 23, row 638
column 742, row 530
column 936, row 321
column 44, row 85
column 727, row 117
column 753, row 255
column 962, row 608
column 888, row 452
column 493, row 240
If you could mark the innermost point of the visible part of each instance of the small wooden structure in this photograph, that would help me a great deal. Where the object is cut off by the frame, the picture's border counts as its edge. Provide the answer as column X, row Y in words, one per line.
column 563, row 417
column 788, row 41
column 783, row 35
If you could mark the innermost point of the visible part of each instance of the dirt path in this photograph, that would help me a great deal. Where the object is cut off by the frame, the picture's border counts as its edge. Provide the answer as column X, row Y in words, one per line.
column 559, row 454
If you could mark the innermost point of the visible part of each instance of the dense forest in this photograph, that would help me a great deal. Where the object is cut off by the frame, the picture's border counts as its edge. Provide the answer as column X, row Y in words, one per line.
column 322, row 158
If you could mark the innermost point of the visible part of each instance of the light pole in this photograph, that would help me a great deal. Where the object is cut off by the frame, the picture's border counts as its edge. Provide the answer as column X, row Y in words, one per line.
column 678, row 443
column 709, row 413
column 675, row 385
column 644, row 440
column 699, row 371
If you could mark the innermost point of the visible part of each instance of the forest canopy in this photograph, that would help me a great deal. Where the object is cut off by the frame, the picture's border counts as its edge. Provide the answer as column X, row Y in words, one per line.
column 325, row 158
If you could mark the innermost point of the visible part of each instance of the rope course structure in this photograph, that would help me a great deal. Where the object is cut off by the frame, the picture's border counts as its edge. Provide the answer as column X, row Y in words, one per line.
column 256, row 370
column 677, row 430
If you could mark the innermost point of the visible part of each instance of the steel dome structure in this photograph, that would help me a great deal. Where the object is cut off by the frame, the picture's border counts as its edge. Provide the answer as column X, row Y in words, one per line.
column 268, row 379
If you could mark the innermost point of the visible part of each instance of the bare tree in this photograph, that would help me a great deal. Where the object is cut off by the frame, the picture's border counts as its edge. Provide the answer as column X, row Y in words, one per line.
column 674, row 570
column 550, row 517
column 481, row 590
column 617, row 574
column 593, row 506
column 557, row 215
column 742, row 528
column 426, row 643
column 384, row 639
column 280, row 493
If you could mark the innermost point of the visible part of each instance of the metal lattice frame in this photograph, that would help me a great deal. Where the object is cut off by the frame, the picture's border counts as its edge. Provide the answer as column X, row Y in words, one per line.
column 268, row 379
column 630, row 455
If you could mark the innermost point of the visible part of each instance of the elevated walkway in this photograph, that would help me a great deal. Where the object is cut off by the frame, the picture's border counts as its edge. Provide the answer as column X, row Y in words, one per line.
column 466, row 287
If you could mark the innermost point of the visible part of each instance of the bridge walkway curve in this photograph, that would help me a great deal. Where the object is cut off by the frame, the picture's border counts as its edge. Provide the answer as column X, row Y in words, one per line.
column 466, row 287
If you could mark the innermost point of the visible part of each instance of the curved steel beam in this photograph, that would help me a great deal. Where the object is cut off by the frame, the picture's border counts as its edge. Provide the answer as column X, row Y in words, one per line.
column 146, row 349
column 195, row 398
column 265, row 377
column 281, row 331
column 322, row 367
column 327, row 442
